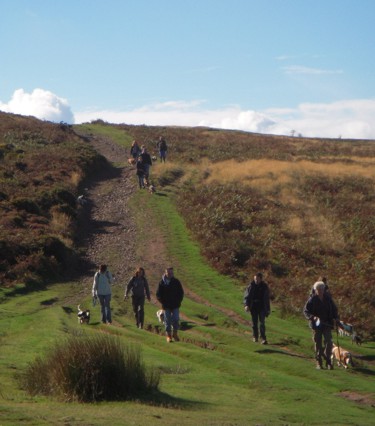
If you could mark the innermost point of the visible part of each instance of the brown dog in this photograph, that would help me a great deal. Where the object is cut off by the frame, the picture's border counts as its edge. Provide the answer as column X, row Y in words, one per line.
column 342, row 356
column 131, row 161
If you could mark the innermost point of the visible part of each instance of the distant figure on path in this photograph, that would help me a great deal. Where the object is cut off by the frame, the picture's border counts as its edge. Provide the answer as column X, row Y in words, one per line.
column 139, row 290
column 147, row 163
column 135, row 150
column 170, row 294
column 141, row 172
column 322, row 314
column 257, row 301
column 162, row 145
column 101, row 289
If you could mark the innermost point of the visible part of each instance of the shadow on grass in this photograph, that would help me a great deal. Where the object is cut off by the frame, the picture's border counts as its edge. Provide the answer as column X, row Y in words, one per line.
column 162, row 399
column 279, row 352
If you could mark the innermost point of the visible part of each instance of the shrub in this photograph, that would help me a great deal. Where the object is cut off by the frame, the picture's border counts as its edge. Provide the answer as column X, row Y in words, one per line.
column 89, row 369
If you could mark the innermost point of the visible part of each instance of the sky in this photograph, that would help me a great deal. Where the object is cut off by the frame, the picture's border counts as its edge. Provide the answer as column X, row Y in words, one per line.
column 287, row 67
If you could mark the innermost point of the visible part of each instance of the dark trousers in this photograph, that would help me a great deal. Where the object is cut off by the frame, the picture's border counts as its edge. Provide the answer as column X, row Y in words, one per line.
column 105, row 307
column 323, row 351
column 258, row 317
column 138, row 303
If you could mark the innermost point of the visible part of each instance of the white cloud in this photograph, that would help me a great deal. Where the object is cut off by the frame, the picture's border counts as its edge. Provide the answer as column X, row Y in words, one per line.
column 346, row 119
column 298, row 69
column 41, row 104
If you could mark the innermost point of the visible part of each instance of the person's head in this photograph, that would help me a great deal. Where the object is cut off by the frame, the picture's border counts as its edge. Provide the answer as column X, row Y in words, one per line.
column 140, row 272
column 102, row 268
column 169, row 272
column 134, row 143
column 258, row 277
column 319, row 287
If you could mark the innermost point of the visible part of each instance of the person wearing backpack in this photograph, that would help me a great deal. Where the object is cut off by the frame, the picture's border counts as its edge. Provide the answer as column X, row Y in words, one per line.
column 162, row 145
column 101, row 289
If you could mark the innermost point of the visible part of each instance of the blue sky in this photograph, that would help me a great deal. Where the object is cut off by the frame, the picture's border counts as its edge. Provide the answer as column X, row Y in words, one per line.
column 271, row 66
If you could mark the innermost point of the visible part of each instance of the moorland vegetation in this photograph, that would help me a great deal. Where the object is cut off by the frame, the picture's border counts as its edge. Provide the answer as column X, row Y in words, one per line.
column 227, row 204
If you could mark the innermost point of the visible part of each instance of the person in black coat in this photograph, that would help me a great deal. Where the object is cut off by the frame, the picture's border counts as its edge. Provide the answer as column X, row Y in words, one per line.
column 170, row 294
column 322, row 313
column 257, row 301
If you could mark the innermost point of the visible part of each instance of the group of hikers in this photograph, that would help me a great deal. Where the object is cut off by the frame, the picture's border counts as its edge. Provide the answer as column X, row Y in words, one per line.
column 143, row 161
column 169, row 294
column 319, row 309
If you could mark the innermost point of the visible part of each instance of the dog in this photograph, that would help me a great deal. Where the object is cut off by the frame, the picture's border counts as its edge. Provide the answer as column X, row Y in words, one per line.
column 356, row 338
column 161, row 316
column 342, row 356
column 83, row 315
column 154, row 158
column 131, row 161
column 151, row 189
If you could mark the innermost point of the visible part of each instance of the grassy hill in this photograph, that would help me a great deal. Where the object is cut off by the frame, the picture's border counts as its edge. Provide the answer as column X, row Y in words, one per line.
column 252, row 215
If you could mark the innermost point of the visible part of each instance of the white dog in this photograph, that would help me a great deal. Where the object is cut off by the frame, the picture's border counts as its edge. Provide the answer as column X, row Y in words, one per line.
column 160, row 315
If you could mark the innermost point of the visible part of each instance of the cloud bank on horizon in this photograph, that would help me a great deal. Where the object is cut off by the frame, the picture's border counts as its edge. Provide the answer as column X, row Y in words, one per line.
column 352, row 119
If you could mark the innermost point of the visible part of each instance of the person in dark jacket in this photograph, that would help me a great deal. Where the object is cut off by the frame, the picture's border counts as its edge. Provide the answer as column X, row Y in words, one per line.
column 322, row 313
column 257, row 301
column 162, row 145
column 170, row 294
column 147, row 163
column 139, row 290
column 141, row 172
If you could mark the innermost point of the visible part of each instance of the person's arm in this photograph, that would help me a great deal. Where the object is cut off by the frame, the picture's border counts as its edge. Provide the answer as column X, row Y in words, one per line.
column 128, row 287
column 95, row 285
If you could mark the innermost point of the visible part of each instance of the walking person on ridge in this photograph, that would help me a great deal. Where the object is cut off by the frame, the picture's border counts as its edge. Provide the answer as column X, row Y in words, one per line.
column 257, row 302
column 170, row 294
column 139, row 289
column 101, row 289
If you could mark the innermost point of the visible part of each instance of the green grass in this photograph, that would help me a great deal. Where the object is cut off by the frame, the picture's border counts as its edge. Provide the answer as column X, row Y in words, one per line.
column 215, row 376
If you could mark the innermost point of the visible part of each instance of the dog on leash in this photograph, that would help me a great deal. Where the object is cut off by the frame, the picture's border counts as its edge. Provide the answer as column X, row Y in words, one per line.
column 131, row 161
column 83, row 315
column 342, row 356
column 161, row 316
column 151, row 189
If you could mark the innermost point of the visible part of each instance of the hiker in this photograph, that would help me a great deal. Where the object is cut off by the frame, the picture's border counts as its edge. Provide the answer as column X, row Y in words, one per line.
column 162, row 145
column 135, row 150
column 170, row 294
column 257, row 301
column 101, row 289
column 147, row 162
column 139, row 289
column 141, row 172
column 322, row 314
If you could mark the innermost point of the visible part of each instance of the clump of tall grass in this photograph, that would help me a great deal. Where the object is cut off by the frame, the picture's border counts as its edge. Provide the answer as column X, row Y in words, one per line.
column 89, row 369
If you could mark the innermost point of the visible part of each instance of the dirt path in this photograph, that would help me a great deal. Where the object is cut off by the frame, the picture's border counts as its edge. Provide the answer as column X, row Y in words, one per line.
column 109, row 229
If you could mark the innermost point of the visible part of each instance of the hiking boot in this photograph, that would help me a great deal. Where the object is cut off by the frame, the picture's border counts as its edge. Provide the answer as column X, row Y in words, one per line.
column 175, row 336
column 319, row 366
column 264, row 342
column 255, row 339
column 329, row 367
column 169, row 338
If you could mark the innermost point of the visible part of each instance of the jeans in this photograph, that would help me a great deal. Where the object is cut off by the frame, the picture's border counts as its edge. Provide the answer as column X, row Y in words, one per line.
column 163, row 155
column 259, row 316
column 172, row 319
column 138, row 304
column 105, row 305
column 323, row 352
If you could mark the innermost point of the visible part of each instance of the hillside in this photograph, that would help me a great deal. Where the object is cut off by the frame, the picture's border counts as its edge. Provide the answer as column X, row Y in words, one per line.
column 215, row 375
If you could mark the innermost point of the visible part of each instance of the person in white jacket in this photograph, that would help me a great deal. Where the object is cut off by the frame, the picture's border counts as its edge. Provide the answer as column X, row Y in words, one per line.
column 101, row 289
